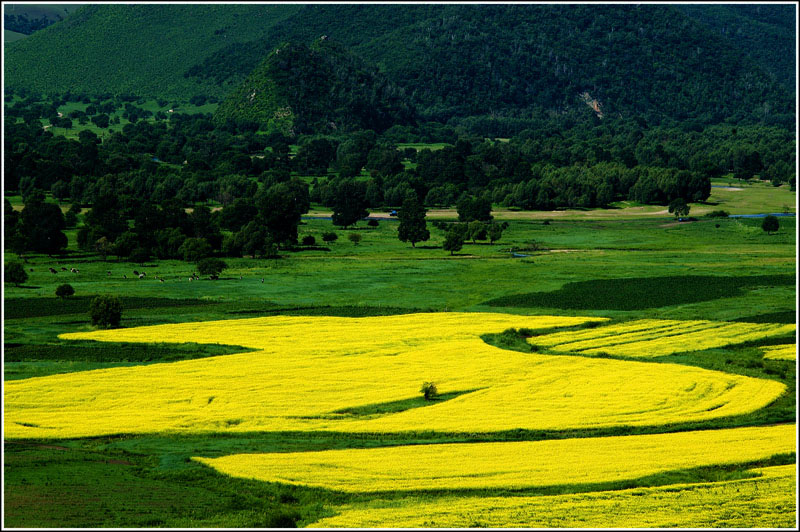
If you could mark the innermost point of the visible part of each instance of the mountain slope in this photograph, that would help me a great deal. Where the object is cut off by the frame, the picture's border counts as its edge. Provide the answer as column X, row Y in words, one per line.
column 648, row 61
column 321, row 88
column 766, row 33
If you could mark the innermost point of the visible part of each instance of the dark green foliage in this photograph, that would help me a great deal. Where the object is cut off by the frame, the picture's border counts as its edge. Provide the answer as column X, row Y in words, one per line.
column 329, row 236
column 413, row 227
column 717, row 214
column 453, row 241
column 679, row 208
column 349, row 203
column 476, row 230
column 760, row 33
column 15, row 273
column 315, row 156
column 309, row 240
column 322, row 88
column 211, row 266
column 64, row 291
column 372, row 222
column 41, row 226
column 194, row 249
column 450, row 61
column 770, row 224
column 474, row 208
column 641, row 293
column 280, row 208
column 106, row 311
column 429, row 391
column 355, row 238
column 495, row 231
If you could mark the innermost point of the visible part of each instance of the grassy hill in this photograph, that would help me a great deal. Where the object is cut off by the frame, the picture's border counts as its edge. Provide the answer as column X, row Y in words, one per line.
column 650, row 61
column 11, row 36
column 28, row 18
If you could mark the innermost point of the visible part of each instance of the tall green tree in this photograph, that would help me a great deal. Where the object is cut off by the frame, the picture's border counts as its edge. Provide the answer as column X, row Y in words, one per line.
column 453, row 241
column 42, row 226
column 280, row 208
column 349, row 203
column 413, row 227
column 770, row 224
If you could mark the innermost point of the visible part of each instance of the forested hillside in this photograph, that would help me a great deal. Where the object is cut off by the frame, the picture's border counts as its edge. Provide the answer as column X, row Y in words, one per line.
column 766, row 33
column 654, row 62
column 323, row 89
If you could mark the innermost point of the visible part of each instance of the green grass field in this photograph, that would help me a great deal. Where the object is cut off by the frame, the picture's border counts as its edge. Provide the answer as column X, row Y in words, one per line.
column 598, row 263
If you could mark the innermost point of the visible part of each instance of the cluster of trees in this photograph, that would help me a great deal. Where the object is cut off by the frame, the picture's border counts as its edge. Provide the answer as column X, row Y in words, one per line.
column 140, row 181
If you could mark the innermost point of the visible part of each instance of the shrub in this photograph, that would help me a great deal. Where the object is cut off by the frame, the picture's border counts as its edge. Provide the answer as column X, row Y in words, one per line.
column 106, row 311
column 64, row 290
column 329, row 236
column 355, row 238
column 717, row 214
column 372, row 223
column 429, row 391
column 15, row 273
column 309, row 240
column 211, row 266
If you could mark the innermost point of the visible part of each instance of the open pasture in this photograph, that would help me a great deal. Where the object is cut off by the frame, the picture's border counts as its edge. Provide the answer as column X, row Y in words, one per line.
column 386, row 359
column 655, row 338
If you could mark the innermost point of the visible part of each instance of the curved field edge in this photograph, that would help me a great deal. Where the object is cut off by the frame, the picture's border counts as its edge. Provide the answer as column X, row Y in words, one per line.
column 640, row 293
column 386, row 359
column 765, row 500
column 509, row 465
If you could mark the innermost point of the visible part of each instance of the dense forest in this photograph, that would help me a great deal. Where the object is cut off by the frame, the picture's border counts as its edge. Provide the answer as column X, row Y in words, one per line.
column 656, row 62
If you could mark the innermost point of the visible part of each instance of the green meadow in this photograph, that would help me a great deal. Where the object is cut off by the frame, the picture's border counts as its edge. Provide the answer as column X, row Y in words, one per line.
column 602, row 263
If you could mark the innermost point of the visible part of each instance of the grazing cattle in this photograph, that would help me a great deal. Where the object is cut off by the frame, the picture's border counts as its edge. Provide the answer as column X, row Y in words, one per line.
column 108, row 272
column 135, row 272
column 262, row 280
column 141, row 276
column 190, row 279
column 161, row 280
column 63, row 269
column 53, row 270
column 73, row 270
column 31, row 269
column 240, row 277
column 124, row 275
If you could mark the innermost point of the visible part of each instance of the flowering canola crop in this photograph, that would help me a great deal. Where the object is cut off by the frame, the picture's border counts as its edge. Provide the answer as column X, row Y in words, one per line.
column 513, row 465
column 654, row 338
column 781, row 352
column 766, row 501
column 303, row 370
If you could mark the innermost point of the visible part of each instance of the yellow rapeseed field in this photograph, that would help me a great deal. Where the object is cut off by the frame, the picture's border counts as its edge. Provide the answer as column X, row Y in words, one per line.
column 767, row 501
column 512, row 465
column 781, row 352
column 653, row 338
column 304, row 369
